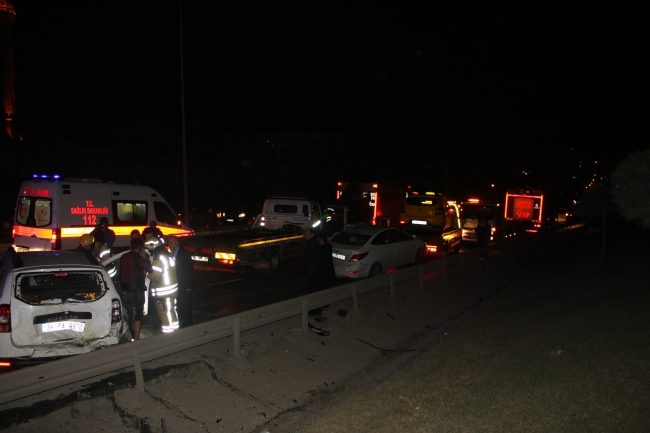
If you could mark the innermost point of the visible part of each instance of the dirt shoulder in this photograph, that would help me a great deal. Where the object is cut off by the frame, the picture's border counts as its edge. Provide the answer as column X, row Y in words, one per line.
column 286, row 378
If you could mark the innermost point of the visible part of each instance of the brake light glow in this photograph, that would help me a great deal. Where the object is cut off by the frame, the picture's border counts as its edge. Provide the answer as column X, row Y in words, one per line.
column 357, row 257
column 5, row 318
column 474, row 200
column 432, row 249
column 5, row 363
column 56, row 239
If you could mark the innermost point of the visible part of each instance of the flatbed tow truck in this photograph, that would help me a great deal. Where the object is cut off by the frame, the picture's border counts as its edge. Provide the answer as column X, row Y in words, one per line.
column 440, row 240
column 238, row 249
column 276, row 235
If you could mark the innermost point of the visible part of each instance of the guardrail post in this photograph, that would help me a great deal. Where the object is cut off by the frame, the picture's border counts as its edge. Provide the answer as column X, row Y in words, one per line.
column 305, row 314
column 355, row 298
column 236, row 336
column 421, row 274
column 139, row 378
column 392, row 285
column 444, row 269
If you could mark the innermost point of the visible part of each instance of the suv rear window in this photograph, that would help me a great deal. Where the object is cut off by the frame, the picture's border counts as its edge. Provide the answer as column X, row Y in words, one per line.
column 59, row 287
column 285, row 208
column 422, row 201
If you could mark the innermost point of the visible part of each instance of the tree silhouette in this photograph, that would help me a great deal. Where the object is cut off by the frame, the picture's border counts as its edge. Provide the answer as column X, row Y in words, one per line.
column 596, row 202
column 631, row 187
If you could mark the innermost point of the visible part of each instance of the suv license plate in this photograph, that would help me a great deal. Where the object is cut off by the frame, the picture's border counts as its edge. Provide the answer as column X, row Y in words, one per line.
column 63, row 326
column 338, row 256
column 420, row 223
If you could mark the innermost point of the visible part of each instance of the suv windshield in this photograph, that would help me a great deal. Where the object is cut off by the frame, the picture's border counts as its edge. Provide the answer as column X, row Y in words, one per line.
column 59, row 287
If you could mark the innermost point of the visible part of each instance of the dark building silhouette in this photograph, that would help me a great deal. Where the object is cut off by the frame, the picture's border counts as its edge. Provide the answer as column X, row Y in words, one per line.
column 7, row 69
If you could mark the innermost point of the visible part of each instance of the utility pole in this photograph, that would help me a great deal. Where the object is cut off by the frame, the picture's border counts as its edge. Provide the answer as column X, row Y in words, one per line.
column 186, row 202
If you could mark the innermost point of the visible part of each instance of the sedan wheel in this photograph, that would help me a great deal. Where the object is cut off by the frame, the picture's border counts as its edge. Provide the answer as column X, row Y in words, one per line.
column 375, row 270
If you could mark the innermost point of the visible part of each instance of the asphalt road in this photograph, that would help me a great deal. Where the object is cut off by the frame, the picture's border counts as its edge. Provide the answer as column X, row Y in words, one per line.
column 220, row 293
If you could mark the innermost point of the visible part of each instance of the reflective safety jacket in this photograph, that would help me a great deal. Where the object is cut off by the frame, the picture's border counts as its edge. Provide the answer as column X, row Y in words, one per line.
column 167, row 283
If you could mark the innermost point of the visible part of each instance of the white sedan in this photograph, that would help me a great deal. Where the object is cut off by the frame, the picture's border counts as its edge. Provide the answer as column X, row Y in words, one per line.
column 366, row 251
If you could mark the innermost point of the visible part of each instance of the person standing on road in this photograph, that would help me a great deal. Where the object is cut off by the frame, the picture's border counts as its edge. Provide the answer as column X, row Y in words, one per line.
column 103, row 234
column 186, row 282
column 133, row 268
column 325, row 271
column 210, row 219
column 310, row 260
column 152, row 230
column 325, row 268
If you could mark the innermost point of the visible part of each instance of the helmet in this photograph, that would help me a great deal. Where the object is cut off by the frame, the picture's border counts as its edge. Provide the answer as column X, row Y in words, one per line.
column 151, row 241
column 86, row 240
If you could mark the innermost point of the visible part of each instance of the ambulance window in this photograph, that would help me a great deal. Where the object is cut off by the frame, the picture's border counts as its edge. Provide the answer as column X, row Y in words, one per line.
column 163, row 213
column 43, row 212
column 34, row 212
column 126, row 213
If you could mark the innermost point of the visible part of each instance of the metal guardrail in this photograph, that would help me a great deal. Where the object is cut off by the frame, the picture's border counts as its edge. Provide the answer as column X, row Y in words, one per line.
column 33, row 380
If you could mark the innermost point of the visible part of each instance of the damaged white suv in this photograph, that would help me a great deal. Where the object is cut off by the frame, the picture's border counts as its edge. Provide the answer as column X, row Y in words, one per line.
column 56, row 303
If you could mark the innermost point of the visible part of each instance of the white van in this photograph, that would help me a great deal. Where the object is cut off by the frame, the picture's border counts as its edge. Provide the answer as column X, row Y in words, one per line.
column 288, row 213
column 51, row 214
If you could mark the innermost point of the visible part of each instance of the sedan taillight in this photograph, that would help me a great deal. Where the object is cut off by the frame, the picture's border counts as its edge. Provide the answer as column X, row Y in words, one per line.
column 358, row 257
column 5, row 318
column 116, row 311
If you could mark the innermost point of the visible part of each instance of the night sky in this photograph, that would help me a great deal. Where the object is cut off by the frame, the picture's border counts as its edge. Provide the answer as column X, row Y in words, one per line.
column 509, row 87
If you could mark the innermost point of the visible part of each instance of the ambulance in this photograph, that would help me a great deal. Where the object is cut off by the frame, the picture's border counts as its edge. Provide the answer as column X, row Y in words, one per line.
column 52, row 213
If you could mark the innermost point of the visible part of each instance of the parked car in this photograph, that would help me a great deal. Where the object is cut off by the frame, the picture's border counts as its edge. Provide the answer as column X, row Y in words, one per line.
column 366, row 251
column 56, row 303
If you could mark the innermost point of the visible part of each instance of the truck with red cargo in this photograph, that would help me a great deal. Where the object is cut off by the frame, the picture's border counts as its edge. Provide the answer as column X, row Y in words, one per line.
column 373, row 203
column 523, row 211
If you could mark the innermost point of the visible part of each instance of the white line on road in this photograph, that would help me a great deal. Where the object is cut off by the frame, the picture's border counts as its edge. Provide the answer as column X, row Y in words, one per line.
column 222, row 282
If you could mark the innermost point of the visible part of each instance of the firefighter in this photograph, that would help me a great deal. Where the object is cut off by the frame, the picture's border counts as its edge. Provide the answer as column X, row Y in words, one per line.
column 164, row 286
column 86, row 245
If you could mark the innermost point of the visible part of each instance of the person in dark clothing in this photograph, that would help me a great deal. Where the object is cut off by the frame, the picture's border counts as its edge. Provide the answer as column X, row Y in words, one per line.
column 210, row 219
column 186, row 282
column 325, row 267
column 310, row 260
column 325, row 271
column 152, row 230
column 103, row 234
column 133, row 268
column 483, row 231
